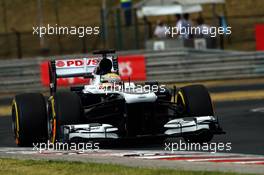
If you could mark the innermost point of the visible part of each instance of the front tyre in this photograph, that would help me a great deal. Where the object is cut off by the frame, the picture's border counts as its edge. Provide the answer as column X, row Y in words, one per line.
column 64, row 108
column 195, row 101
column 29, row 118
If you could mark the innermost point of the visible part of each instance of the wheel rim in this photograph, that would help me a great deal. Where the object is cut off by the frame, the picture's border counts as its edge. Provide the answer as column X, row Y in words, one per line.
column 15, row 122
column 51, row 122
column 181, row 102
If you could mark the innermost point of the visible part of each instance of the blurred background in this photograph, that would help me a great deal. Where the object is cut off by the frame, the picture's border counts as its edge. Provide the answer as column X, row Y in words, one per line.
column 135, row 28
column 124, row 24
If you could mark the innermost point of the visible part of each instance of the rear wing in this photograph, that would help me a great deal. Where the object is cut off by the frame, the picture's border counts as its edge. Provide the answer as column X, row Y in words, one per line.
column 84, row 67
column 74, row 67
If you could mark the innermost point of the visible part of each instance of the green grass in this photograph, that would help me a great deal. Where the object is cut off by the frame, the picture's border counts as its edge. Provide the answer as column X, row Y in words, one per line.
column 28, row 167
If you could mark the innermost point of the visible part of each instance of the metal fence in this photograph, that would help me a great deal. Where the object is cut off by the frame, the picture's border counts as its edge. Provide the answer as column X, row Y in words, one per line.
column 170, row 66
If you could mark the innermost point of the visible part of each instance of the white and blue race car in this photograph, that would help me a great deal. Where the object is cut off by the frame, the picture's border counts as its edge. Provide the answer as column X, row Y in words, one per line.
column 108, row 108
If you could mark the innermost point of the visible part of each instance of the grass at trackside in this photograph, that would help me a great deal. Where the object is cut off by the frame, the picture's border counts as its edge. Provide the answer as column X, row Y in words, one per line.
column 28, row 167
column 237, row 96
column 5, row 111
column 221, row 83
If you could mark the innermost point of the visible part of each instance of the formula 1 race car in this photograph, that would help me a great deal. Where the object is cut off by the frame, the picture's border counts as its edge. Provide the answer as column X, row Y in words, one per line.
column 109, row 108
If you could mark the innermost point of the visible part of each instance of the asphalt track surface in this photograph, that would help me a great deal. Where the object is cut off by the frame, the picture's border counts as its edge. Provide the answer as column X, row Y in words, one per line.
column 243, row 122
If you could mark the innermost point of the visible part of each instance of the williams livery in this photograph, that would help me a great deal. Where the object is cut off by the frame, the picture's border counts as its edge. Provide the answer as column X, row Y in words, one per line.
column 109, row 108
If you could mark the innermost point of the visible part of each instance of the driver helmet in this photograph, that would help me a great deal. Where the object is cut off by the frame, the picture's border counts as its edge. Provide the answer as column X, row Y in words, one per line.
column 111, row 78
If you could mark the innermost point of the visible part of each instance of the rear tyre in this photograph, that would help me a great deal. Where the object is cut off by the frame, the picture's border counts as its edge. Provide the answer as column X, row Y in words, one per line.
column 195, row 101
column 29, row 118
column 64, row 108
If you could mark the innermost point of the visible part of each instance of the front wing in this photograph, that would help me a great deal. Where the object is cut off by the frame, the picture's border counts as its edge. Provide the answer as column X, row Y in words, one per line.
column 176, row 127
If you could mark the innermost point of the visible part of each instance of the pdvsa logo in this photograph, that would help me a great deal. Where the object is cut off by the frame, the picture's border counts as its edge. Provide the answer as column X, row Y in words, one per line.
column 76, row 63
column 60, row 64
column 125, row 69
